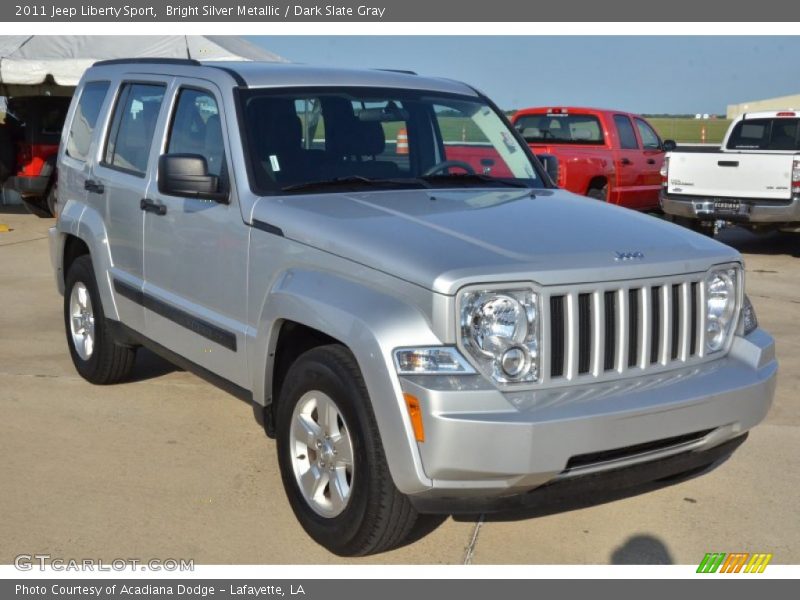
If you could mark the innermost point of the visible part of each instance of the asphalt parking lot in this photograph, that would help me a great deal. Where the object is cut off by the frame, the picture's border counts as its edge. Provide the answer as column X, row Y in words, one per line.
column 168, row 466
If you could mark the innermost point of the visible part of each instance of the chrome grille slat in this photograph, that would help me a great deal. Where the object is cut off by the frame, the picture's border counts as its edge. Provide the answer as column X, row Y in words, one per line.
column 623, row 322
column 610, row 329
column 573, row 340
column 686, row 321
column 665, row 337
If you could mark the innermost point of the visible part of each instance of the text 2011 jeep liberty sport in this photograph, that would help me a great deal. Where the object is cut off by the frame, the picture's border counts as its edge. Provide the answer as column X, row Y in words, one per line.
column 377, row 261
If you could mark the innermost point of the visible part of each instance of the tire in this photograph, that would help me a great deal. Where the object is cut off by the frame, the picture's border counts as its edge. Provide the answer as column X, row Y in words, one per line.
column 106, row 361
column 374, row 516
column 52, row 199
column 695, row 225
column 600, row 194
column 35, row 208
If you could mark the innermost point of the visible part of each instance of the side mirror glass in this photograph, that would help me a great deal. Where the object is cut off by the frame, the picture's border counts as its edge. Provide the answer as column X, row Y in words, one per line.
column 187, row 175
column 669, row 145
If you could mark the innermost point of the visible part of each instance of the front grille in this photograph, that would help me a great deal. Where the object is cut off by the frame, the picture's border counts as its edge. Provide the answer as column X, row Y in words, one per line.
column 616, row 328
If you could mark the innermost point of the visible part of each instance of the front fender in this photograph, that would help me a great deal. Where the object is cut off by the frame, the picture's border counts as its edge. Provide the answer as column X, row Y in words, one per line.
column 371, row 324
column 86, row 223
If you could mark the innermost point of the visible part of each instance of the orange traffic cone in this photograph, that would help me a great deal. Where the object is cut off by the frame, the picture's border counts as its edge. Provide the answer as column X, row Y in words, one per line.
column 402, row 141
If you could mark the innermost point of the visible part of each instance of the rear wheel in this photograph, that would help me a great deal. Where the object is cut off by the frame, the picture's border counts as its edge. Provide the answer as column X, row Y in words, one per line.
column 52, row 199
column 599, row 193
column 704, row 227
column 331, row 458
column 96, row 354
column 35, row 207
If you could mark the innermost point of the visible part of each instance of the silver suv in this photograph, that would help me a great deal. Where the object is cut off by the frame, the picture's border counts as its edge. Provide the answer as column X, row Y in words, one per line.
column 377, row 261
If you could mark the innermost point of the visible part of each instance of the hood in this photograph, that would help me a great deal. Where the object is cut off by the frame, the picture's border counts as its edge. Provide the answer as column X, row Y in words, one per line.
column 444, row 239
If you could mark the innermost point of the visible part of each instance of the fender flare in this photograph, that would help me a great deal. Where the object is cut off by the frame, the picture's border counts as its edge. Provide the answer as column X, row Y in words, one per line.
column 371, row 324
column 86, row 223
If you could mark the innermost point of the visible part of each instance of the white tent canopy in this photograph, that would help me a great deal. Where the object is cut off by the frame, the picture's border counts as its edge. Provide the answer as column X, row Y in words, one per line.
column 37, row 60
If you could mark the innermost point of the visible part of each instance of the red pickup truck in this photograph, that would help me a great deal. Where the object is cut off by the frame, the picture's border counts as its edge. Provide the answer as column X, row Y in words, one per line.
column 609, row 155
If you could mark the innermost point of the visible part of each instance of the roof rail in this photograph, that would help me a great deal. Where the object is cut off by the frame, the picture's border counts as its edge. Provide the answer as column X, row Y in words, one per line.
column 404, row 71
column 148, row 61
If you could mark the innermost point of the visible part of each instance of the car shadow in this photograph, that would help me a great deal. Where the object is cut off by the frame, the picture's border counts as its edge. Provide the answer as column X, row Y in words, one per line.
column 149, row 365
column 13, row 209
column 774, row 243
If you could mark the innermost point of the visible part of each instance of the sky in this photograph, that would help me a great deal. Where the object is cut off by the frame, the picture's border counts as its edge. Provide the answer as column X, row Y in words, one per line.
column 647, row 74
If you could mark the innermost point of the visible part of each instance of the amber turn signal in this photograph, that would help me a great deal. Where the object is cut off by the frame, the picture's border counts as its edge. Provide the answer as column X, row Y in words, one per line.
column 415, row 414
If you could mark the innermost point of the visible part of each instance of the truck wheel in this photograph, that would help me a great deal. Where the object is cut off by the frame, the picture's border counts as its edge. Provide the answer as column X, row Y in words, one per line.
column 52, row 199
column 97, row 356
column 600, row 194
column 695, row 225
column 35, row 208
column 331, row 458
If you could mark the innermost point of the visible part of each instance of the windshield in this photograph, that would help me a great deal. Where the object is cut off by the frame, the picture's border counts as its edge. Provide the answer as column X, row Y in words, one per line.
column 560, row 128
column 331, row 138
column 765, row 134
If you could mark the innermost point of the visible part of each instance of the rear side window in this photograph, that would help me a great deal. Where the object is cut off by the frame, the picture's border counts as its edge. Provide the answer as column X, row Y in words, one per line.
column 560, row 129
column 627, row 138
column 196, row 129
column 649, row 137
column 131, row 134
column 765, row 134
column 85, row 119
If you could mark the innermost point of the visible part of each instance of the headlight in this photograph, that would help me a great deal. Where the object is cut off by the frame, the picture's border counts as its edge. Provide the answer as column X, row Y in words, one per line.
column 748, row 321
column 500, row 332
column 721, row 300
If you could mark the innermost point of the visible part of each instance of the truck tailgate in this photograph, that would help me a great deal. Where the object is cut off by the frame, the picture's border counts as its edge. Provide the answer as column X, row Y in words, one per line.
column 764, row 176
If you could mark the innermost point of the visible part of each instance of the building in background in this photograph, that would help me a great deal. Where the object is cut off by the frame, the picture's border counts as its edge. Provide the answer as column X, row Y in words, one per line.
column 793, row 101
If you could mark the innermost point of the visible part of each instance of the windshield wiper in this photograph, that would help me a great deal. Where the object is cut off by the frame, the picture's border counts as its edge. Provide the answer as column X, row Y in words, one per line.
column 472, row 178
column 354, row 181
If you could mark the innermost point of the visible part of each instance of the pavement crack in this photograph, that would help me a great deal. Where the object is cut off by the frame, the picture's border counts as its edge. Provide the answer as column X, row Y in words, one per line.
column 469, row 552
column 3, row 245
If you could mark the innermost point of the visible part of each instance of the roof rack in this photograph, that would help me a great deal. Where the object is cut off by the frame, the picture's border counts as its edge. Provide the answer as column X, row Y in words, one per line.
column 404, row 71
column 148, row 61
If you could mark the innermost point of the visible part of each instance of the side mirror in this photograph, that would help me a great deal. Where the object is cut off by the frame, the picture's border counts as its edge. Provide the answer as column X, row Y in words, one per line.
column 550, row 164
column 669, row 145
column 187, row 175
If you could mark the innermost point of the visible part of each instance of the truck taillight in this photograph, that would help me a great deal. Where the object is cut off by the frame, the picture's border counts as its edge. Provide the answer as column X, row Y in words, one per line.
column 796, row 177
column 665, row 172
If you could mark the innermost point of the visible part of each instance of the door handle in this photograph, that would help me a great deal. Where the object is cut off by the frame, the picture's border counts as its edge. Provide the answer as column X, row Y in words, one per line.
column 148, row 205
column 93, row 186
column 651, row 161
column 626, row 161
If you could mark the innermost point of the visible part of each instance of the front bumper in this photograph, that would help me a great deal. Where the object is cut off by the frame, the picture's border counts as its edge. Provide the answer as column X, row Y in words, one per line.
column 482, row 444
column 754, row 211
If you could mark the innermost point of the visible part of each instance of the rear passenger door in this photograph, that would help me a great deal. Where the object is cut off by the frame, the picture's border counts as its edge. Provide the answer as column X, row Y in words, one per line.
column 195, row 250
column 628, row 164
column 121, row 178
column 653, row 157
column 79, row 147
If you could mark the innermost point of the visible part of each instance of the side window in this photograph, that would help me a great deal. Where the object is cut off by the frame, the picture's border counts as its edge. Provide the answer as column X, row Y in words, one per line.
column 85, row 119
column 131, row 135
column 649, row 137
column 196, row 129
column 627, row 138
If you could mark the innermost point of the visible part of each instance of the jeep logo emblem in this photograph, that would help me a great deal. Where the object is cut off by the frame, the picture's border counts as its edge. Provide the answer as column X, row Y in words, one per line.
column 619, row 256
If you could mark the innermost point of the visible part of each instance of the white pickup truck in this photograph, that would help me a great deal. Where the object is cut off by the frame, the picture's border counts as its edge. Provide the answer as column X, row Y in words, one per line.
column 752, row 180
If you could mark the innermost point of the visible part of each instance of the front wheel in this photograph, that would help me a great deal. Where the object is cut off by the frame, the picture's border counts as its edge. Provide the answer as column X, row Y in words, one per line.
column 332, row 462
